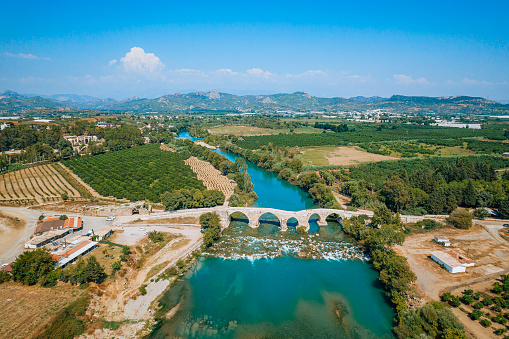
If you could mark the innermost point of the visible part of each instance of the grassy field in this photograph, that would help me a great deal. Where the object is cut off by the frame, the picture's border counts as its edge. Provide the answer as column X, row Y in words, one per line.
column 35, row 185
column 24, row 310
column 251, row 130
column 333, row 155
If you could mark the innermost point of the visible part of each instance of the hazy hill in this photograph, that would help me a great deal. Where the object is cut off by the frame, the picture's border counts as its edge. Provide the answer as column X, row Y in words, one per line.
column 13, row 102
column 298, row 101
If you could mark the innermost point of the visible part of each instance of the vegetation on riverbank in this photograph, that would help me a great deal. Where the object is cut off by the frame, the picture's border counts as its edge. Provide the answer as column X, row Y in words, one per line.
column 378, row 235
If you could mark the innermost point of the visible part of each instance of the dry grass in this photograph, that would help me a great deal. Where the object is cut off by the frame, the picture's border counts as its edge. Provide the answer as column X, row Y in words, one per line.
column 212, row 178
column 342, row 155
column 24, row 310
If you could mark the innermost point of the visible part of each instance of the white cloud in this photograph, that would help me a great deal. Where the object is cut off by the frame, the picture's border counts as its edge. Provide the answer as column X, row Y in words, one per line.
column 474, row 82
column 359, row 78
column 307, row 74
column 25, row 56
column 225, row 72
column 113, row 62
column 258, row 72
column 402, row 79
column 137, row 61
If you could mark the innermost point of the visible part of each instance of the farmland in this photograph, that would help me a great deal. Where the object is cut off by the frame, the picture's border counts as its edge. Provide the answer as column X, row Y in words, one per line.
column 35, row 185
column 138, row 173
column 361, row 133
column 253, row 130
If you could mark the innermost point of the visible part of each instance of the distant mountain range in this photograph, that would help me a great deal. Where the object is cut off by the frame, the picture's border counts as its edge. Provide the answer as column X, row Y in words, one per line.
column 215, row 101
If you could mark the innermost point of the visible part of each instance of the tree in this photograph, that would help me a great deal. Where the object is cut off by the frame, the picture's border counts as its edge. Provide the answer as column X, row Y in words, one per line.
column 30, row 266
column 93, row 271
column 155, row 236
column 460, row 218
column 503, row 208
column 64, row 196
column 470, row 194
column 395, row 193
column 63, row 217
column 211, row 223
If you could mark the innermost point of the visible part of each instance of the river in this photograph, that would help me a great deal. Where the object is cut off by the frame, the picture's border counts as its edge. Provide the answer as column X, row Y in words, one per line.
column 255, row 282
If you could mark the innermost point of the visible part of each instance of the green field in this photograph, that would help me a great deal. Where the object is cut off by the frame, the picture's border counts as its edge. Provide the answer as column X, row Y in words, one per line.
column 137, row 173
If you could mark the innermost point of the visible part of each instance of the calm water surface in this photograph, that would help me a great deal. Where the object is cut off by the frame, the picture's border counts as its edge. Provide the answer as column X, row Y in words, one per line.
column 255, row 283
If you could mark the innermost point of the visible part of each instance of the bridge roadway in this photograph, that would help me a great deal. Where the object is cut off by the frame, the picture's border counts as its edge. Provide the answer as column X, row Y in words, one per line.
column 253, row 214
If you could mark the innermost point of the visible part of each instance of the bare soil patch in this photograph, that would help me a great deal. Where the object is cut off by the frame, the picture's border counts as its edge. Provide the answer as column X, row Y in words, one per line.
column 162, row 221
column 25, row 310
column 342, row 155
column 489, row 254
column 12, row 226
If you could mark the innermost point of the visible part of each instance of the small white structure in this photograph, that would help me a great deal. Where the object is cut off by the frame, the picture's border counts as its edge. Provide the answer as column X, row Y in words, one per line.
column 453, row 261
column 444, row 241
column 103, row 233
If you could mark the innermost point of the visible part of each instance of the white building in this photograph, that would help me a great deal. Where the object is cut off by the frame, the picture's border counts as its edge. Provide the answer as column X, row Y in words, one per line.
column 442, row 241
column 453, row 261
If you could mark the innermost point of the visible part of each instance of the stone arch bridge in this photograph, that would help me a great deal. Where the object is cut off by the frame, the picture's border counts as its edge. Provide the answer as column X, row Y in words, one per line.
column 302, row 217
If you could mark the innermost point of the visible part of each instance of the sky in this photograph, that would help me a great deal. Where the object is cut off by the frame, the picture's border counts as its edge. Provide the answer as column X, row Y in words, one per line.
column 122, row 49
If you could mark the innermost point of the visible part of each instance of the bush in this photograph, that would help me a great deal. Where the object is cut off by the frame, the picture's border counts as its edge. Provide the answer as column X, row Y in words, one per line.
column 486, row 323
column 4, row 276
column 64, row 196
column 487, row 301
column 181, row 263
column 301, row 229
column 460, row 218
column 446, row 296
column 428, row 224
column 476, row 314
column 143, row 289
column 155, row 236
column 455, row 301
column 468, row 299
column 63, row 217
column 478, row 305
column 500, row 331
column 41, row 217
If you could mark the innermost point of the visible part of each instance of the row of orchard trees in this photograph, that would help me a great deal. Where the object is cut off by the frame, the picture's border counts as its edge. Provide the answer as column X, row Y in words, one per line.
column 138, row 173
column 243, row 194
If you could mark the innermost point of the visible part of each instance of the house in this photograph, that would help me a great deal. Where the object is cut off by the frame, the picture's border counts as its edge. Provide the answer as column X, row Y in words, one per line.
column 54, row 223
column 105, row 124
column 103, row 233
column 444, row 241
column 46, row 238
column 80, row 140
column 68, row 254
column 7, row 267
column 453, row 261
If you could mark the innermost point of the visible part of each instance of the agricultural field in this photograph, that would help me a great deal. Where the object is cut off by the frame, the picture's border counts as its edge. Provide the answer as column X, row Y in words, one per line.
column 252, row 130
column 138, row 173
column 360, row 133
column 212, row 178
column 332, row 155
column 35, row 185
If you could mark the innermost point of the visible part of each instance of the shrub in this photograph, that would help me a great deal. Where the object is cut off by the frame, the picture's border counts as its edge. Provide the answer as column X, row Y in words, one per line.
column 181, row 263
column 301, row 229
column 155, row 236
column 460, row 218
column 486, row 323
column 478, row 305
column 143, row 289
column 446, row 296
column 500, row 331
column 455, row 301
column 63, row 217
column 467, row 299
column 428, row 224
column 64, row 196
column 476, row 314
column 4, row 276
column 487, row 301
column 41, row 217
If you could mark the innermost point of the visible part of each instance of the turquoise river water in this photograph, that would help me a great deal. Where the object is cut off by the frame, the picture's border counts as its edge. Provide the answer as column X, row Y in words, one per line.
column 263, row 283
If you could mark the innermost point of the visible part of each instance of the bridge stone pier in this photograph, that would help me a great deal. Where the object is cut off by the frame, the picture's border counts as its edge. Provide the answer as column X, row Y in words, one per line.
column 253, row 214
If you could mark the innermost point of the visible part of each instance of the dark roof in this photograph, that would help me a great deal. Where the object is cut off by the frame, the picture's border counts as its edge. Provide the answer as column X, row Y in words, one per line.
column 49, row 225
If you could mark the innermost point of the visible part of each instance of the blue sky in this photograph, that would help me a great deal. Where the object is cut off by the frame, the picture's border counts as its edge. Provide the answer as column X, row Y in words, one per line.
column 326, row 48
